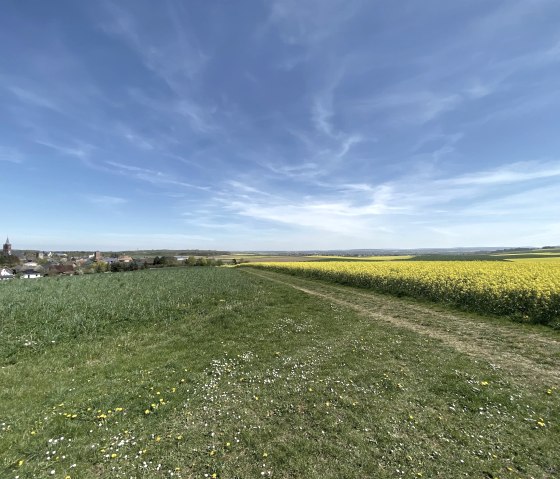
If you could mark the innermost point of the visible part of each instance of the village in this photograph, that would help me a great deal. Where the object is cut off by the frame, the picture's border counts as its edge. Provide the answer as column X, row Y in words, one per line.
column 17, row 264
column 26, row 265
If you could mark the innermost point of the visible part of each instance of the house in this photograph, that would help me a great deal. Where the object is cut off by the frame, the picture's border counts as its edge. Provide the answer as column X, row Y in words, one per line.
column 125, row 259
column 66, row 269
column 6, row 274
column 30, row 273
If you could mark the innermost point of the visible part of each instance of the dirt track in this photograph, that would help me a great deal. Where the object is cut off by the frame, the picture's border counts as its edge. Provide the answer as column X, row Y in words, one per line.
column 524, row 352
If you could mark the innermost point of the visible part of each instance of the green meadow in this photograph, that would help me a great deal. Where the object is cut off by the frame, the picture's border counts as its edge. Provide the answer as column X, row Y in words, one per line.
column 228, row 373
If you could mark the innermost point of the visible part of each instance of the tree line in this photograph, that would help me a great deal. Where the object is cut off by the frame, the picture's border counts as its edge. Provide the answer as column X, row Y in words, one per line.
column 190, row 261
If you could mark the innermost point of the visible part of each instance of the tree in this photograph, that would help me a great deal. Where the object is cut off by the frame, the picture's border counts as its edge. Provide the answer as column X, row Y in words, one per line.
column 100, row 266
column 201, row 262
column 8, row 260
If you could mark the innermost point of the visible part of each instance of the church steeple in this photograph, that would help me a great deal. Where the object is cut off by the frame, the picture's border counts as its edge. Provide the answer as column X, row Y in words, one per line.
column 7, row 248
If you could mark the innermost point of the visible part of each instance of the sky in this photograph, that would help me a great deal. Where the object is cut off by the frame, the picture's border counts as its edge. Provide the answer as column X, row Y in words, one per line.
column 279, row 124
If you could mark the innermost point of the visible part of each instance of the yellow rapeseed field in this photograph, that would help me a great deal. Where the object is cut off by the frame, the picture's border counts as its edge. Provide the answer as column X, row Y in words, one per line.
column 528, row 291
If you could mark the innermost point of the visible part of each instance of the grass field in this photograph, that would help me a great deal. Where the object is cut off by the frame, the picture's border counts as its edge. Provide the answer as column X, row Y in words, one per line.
column 232, row 373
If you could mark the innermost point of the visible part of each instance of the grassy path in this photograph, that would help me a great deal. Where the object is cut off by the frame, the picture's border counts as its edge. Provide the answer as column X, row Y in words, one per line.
column 524, row 352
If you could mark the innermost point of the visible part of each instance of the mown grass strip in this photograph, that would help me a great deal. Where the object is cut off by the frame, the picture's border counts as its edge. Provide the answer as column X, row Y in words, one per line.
column 528, row 292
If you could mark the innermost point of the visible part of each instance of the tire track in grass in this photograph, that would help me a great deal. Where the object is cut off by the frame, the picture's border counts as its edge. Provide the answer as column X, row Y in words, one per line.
column 525, row 355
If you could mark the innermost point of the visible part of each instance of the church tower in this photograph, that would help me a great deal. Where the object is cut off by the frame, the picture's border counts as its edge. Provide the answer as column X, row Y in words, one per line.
column 7, row 248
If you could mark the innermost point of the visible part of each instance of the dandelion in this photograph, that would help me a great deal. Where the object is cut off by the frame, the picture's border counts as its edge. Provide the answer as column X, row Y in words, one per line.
column 147, row 411
column 484, row 383
column 20, row 462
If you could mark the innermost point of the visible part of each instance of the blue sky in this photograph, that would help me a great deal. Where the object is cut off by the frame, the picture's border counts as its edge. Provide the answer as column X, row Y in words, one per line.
column 279, row 124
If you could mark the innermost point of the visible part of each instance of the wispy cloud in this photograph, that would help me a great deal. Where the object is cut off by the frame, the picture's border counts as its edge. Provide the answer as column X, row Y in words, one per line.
column 243, row 188
column 139, row 141
column 509, row 16
column 333, row 217
column 106, row 201
column 321, row 114
column 35, row 98
column 512, row 173
column 410, row 106
column 11, row 155
column 166, row 45
column 537, row 203
column 170, row 54
column 148, row 175
column 311, row 23
column 78, row 150
column 366, row 207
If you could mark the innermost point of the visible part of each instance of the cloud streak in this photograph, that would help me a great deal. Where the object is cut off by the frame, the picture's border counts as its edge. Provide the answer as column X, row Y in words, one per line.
column 106, row 201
